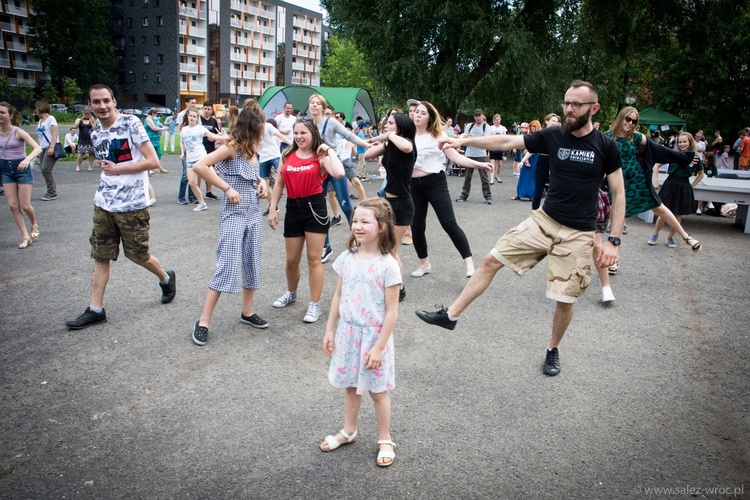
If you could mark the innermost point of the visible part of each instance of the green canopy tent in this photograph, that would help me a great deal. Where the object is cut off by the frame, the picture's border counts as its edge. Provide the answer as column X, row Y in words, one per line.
column 352, row 101
column 653, row 116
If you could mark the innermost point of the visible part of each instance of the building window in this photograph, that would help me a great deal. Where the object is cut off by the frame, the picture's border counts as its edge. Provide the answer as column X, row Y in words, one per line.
column 145, row 77
column 132, row 58
column 157, row 40
column 144, row 21
column 159, row 19
column 157, row 76
column 156, row 3
column 132, row 41
column 146, row 59
column 132, row 77
column 130, row 22
column 159, row 58
column 143, row 39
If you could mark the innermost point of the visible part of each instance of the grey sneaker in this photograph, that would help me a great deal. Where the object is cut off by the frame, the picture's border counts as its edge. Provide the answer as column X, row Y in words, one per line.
column 313, row 313
column 48, row 197
column 285, row 299
column 670, row 242
column 653, row 239
column 87, row 319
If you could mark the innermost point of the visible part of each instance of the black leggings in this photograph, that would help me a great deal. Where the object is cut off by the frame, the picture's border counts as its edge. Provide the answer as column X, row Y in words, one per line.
column 433, row 189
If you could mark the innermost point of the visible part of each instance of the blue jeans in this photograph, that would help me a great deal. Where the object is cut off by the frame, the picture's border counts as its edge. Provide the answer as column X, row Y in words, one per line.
column 341, row 188
column 184, row 185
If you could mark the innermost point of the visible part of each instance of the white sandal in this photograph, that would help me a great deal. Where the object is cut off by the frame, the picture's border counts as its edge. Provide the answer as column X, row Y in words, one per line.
column 386, row 454
column 334, row 443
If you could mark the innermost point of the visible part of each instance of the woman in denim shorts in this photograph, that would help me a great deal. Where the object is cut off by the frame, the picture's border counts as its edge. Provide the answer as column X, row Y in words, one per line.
column 17, row 178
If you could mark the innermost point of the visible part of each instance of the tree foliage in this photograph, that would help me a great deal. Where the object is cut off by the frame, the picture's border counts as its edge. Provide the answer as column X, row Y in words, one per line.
column 71, row 91
column 688, row 57
column 49, row 93
column 72, row 40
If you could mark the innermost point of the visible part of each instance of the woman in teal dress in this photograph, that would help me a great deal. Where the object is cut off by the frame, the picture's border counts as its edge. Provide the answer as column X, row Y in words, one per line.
column 640, row 193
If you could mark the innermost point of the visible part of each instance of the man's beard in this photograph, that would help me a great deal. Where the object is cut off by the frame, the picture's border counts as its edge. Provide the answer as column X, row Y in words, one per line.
column 579, row 122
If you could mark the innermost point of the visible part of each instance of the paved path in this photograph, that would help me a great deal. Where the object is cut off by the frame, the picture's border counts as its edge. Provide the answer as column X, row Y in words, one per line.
column 653, row 391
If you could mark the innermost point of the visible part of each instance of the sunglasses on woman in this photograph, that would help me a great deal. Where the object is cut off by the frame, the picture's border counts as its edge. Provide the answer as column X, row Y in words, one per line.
column 634, row 121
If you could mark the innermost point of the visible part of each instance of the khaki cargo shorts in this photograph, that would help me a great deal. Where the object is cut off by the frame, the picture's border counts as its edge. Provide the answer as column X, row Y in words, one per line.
column 112, row 227
column 568, row 253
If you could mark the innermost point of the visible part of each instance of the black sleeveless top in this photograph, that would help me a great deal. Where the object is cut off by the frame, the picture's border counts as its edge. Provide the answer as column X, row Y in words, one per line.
column 84, row 131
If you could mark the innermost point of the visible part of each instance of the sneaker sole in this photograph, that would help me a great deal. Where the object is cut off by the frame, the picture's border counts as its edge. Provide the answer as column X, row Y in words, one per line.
column 87, row 325
column 308, row 319
column 280, row 306
column 253, row 324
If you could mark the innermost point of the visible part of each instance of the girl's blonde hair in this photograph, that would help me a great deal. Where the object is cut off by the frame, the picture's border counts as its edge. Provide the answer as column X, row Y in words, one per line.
column 320, row 98
column 384, row 215
column 691, row 139
column 434, row 122
column 619, row 124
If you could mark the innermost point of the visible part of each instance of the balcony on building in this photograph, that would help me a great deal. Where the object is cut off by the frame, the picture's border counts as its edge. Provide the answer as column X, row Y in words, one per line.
column 27, row 65
column 189, row 11
column 194, row 50
column 9, row 26
column 188, row 68
column 4, row 61
column 300, row 81
column 16, row 11
column 19, row 80
column 18, row 47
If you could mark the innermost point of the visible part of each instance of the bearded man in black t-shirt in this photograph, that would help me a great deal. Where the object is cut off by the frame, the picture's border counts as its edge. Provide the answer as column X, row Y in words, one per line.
column 563, row 229
column 214, row 126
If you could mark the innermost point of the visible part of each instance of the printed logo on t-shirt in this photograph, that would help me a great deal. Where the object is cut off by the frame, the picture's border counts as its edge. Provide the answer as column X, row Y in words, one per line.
column 115, row 150
column 576, row 155
column 301, row 168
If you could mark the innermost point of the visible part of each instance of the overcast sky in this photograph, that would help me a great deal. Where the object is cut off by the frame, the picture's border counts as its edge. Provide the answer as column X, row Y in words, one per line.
column 308, row 4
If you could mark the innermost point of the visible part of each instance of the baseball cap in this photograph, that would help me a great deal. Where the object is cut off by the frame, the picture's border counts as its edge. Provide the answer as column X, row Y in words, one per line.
column 478, row 111
column 413, row 102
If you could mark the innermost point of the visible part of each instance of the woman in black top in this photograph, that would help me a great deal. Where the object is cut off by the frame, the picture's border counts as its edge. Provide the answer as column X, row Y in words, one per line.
column 396, row 144
column 84, row 125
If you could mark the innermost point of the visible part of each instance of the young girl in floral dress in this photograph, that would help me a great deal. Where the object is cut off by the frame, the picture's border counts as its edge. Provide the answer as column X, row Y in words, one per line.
column 365, row 306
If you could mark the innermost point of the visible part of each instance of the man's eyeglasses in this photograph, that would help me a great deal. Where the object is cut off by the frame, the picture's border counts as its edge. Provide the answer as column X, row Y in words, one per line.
column 575, row 105
column 634, row 121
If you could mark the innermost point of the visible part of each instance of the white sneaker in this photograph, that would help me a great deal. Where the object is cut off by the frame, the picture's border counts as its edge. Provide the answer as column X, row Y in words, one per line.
column 607, row 295
column 313, row 313
column 285, row 299
column 470, row 272
column 422, row 271
column 200, row 208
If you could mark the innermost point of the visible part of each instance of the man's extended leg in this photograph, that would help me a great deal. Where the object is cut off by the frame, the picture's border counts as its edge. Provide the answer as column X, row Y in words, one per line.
column 560, row 322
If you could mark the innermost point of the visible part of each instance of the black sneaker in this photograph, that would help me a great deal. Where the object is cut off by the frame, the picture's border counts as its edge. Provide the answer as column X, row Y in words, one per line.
column 439, row 318
column 267, row 211
column 402, row 294
column 353, row 196
column 335, row 221
column 200, row 334
column 327, row 251
column 169, row 290
column 254, row 320
column 212, row 196
column 552, row 363
column 87, row 319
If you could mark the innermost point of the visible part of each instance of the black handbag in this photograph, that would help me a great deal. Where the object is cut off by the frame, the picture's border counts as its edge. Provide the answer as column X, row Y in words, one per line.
column 59, row 152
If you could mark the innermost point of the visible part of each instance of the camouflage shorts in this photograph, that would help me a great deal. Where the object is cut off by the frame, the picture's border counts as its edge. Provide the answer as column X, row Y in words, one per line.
column 112, row 227
column 568, row 253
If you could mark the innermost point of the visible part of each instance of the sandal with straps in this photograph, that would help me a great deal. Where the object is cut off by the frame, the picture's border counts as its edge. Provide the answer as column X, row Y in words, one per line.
column 695, row 246
column 25, row 243
column 386, row 454
column 35, row 231
column 334, row 443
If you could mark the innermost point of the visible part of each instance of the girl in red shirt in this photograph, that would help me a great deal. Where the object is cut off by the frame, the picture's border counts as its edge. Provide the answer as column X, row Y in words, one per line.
column 304, row 167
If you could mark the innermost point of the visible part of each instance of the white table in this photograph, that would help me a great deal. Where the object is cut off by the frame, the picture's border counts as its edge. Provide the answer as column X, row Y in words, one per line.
column 721, row 191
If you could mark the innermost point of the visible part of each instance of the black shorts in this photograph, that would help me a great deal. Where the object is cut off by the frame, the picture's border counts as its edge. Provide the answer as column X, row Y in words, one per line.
column 403, row 210
column 306, row 215
column 496, row 155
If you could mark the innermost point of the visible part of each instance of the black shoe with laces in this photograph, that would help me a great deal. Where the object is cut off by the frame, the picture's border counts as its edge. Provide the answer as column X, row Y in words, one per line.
column 267, row 211
column 335, row 221
column 552, row 363
column 169, row 290
column 87, row 319
column 439, row 318
column 402, row 294
column 327, row 251
column 254, row 320
column 212, row 196
column 200, row 334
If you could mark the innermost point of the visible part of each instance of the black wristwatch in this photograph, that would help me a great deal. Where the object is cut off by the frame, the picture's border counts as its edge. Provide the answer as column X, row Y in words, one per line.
column 614, row 240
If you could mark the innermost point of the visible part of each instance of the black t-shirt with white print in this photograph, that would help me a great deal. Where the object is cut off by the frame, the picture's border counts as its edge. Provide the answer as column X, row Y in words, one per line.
column 577, row 166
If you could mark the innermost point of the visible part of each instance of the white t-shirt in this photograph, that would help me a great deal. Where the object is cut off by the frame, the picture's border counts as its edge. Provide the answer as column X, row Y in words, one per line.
column 120, row 144
column 44, row 128
column 269, row 148
column 285, row 123
column 493, row 130
column 430, row 158
column 474, row 130
column 192, row 139
column 70, row 139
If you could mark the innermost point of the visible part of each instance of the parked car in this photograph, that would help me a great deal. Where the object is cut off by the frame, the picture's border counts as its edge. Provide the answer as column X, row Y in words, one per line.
column 161, row 110
column 60, row 108
column 131, row 111
column 78, row 108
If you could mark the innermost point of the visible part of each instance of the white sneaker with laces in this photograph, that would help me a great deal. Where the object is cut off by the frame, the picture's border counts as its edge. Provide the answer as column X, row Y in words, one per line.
column 200, row 208
column 421, row 271
column 313, row 313
column 607, row 295
column 285, row 299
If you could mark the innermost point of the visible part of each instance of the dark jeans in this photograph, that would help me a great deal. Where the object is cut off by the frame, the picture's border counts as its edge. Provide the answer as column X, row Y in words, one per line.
column 341, row 188
column 484, row 176
column 542, row 176
column 433, row 190
column 48, row 163
column 184, row 186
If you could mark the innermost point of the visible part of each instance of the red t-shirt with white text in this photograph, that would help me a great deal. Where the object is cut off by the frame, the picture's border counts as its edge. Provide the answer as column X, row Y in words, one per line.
column 303, row 177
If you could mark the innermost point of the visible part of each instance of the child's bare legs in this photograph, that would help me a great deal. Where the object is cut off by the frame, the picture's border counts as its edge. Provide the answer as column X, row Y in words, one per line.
column 247, row 301
column 194, row 182
column 382, row 402
column 352, row 402
column 293, row 257
column 315, row 242
column 359, row 187
column 399, row 231
column 333, row 203
column 674, row 221
column 212, row 297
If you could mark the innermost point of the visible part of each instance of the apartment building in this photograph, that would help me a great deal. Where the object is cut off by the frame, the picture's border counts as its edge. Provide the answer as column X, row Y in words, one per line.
column 223, row 50
column 16, row 63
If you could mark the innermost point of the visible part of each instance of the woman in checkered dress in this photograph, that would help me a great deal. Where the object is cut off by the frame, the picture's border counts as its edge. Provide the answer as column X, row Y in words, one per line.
column 240, row 227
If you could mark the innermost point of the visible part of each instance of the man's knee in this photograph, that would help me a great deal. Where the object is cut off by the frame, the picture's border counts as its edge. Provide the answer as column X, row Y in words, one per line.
column 490, row 262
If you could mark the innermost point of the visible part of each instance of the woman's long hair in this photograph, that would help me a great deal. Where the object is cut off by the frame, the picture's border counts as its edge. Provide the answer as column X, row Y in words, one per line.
column 316, row 140
column 619, row 125
column 434, row 122
column 247, row 132
column 15, row 119
column 404, row 126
